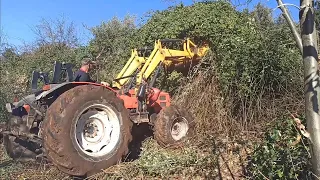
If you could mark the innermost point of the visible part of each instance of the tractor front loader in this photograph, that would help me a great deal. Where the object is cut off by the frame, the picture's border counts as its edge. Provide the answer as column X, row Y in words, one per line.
column 84, row 127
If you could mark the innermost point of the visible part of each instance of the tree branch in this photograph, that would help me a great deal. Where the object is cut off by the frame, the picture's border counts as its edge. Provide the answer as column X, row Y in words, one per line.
column 290, row 22
column 100, row 53
column 287, row 5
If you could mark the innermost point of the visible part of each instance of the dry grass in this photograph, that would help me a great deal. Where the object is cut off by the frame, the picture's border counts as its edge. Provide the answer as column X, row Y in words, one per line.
column 232, row 129
column 158, row 163
column 10, row 169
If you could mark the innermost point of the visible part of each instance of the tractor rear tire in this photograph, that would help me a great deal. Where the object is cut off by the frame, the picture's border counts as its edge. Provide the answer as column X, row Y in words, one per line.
column 18, row 149
column 65, row 141
column 169, row 118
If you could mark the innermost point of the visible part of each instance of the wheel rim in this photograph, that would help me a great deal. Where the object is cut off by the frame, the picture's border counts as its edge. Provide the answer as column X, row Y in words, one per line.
column 179, row 128
column 97, row 130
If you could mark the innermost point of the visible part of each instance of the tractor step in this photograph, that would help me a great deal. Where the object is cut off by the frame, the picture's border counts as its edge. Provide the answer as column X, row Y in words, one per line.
column 139, row 117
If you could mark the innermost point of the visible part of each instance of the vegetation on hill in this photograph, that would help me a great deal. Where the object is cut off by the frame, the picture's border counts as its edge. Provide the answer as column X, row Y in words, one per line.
column 241, row 94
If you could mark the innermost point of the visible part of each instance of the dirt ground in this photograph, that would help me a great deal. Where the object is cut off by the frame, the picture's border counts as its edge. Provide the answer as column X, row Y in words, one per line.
column 227, row 160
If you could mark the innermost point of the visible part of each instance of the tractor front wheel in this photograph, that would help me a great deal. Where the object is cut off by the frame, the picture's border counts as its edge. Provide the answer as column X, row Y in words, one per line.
column 173, row 126
column 87, row 129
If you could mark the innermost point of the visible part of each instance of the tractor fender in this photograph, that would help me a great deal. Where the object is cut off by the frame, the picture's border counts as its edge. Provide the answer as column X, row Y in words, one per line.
column 58, row 89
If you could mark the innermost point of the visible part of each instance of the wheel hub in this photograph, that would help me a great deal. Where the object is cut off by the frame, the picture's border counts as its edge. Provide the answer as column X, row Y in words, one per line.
column 97, row 131
column 179, row 128
column 91, row 130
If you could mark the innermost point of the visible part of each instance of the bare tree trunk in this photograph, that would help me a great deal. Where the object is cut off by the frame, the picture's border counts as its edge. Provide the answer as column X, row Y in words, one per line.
column 311, row 78
column 290, row 22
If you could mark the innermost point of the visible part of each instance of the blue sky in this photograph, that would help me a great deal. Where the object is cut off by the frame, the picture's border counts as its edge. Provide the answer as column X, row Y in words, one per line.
column 18, row 17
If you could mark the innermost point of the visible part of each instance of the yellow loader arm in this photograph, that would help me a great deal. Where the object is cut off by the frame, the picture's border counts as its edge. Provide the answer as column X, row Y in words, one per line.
column 171, row 58
column 135, row 62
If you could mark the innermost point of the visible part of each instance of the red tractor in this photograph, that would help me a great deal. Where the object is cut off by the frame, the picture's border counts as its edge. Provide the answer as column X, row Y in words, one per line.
column 84, row 127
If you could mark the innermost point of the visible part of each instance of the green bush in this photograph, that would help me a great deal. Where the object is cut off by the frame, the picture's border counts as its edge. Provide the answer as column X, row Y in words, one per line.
column 280, row 155
column 3, row 112
column 114, row 40
column 252, row 57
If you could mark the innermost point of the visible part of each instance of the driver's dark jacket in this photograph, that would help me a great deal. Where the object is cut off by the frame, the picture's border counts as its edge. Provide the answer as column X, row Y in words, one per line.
column 81, row 76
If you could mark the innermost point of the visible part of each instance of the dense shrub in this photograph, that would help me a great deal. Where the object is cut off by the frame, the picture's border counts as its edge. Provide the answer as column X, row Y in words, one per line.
column 113, row 41
column 249, row 58
column 3, row 113
column 284, row 154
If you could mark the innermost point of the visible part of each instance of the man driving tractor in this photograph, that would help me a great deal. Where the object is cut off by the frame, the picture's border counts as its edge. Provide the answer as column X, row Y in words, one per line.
column 82, row 75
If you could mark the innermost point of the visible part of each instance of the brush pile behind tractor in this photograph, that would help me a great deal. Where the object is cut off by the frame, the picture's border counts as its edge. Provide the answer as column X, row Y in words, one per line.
column 84, row 127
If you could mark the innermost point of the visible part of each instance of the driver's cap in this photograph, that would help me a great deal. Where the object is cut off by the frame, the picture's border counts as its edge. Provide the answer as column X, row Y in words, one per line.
column 88, row 61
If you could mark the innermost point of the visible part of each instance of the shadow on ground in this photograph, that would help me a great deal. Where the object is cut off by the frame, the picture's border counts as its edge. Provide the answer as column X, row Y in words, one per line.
column 6, row 163
column 230, row 161
column 139, row 133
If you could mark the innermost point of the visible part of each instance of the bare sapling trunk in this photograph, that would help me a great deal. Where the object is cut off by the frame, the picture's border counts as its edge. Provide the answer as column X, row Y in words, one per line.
column 311, row 79
column 307, row 43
